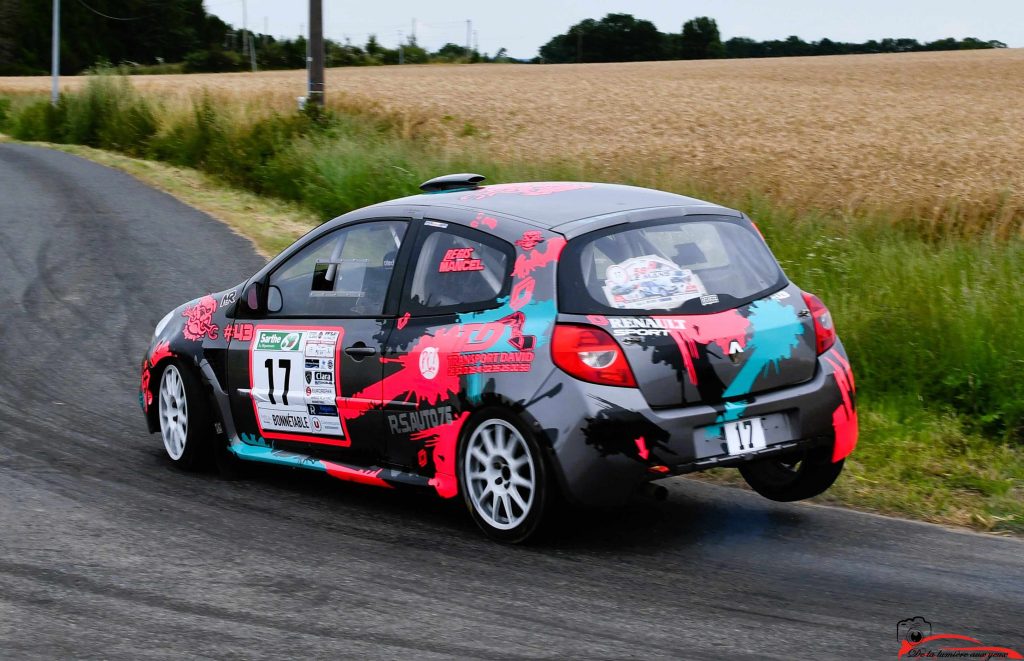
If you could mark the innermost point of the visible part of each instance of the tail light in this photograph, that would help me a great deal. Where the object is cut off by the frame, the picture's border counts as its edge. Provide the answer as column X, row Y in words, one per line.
column 824, row 331
column 590, row 354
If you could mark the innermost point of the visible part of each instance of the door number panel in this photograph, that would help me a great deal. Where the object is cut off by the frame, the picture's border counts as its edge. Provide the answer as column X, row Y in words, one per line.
column 295, row 376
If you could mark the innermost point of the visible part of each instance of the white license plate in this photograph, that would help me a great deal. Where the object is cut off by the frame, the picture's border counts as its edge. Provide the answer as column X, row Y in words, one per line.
column 744, row 436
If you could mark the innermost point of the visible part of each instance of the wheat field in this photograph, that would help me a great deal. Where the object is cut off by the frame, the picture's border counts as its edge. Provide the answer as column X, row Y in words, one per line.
column 932, row 135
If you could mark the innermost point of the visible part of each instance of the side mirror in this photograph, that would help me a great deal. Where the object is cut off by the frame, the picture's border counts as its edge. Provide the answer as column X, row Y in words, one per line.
column 252, row 296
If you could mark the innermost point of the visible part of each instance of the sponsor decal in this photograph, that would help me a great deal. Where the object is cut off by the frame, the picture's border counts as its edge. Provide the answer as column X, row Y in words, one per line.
column 429, row 363
column 709, row 299
column 780, row 295
column 229, row 298
column 278, row 341
column 284, row 419
column 650, row 282
column 530, row 240
column 312, row 363
column 645, row 326
column 434, row 223
column 320, row 395
column 415, row 421
column 457, row 260
column 916, row 640
column 486, row 363
column 239, row 332
column 323, row 378
column 199, row 320
column 319, row 350
column 322, row 409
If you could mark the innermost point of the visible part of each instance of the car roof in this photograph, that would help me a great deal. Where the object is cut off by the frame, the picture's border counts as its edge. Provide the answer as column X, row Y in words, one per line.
column 549, row 204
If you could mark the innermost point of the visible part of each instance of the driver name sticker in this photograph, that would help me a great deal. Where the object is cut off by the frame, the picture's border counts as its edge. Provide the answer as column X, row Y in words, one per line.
column 458, row 260
column 650, row 283
column 294, row 384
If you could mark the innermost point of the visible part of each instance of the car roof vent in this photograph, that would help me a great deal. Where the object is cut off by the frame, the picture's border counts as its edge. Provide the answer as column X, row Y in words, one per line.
column 450, row 182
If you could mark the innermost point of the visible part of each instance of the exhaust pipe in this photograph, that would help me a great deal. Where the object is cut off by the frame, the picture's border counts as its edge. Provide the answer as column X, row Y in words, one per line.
column 655, row 491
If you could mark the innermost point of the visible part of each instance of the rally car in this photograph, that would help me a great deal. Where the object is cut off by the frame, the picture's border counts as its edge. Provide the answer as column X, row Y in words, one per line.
column 512, row 345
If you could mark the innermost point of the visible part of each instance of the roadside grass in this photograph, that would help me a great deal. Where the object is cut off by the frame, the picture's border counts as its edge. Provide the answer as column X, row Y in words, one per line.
column 929, row 313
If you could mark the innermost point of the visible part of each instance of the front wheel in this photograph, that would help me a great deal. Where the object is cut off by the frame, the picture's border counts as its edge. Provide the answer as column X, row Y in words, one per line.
column 184, row 417
column 797, row 477
column 503, row 477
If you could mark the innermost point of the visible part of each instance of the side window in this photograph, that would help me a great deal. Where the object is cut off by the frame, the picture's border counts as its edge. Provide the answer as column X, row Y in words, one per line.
column 343, row 274
column 457, row 269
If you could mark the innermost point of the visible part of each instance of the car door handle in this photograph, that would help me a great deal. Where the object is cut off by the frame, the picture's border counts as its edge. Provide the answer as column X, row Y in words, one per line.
column 360, row 350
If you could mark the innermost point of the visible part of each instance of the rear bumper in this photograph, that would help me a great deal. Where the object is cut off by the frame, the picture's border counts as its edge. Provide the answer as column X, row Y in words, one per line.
column 615, row 442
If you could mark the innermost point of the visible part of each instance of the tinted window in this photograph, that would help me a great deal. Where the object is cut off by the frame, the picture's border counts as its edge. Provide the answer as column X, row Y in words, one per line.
column 345, row 273
column 695, row 265
column 457, row 270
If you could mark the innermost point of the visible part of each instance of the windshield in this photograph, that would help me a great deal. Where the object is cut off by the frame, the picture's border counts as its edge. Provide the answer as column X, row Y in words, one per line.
column 698, row 264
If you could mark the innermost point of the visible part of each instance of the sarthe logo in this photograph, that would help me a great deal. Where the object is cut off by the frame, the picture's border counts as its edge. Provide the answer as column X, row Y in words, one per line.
column 917, row 642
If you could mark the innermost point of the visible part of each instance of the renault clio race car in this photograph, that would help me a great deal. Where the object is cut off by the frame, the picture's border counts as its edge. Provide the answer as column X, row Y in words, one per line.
column 511, row 345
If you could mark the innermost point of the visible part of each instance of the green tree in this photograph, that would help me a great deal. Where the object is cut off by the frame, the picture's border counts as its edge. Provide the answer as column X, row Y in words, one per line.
column 414, row 53
column 452, row 53
column 615, row 38
column 701, row 40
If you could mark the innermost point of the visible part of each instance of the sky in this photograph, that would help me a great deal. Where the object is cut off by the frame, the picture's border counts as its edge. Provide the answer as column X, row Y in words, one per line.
column 522, row 26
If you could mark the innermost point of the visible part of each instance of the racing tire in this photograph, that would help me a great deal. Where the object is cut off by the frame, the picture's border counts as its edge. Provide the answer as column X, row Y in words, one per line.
column 503, row 476
column 186, row 423
column 796, row 477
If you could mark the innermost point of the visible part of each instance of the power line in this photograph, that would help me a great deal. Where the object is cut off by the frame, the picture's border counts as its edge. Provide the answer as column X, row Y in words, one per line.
column 113, row 18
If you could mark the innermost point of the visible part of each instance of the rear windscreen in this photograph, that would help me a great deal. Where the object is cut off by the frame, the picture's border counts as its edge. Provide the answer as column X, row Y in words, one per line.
column 700, row 264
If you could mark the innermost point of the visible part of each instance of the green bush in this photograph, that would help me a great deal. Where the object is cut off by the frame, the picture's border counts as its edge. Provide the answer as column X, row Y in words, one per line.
column 5, row 111
column 37, row 121
column 210, row 61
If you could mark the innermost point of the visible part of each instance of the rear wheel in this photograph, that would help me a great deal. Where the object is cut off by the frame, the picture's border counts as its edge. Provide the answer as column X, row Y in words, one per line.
column 796, row 477
column 185, row 422
column 503, row 477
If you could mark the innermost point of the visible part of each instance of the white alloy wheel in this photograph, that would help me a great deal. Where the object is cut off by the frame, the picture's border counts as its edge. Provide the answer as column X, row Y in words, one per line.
column 500, row 475
column 173, row 412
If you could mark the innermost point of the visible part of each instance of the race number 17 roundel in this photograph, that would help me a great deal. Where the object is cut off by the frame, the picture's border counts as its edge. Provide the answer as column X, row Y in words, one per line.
column 294, row 375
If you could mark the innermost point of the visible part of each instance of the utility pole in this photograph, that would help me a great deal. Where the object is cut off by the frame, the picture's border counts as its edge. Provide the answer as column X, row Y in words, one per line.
column 55, row 91
column 245, row 30
column 246, row 35
column 401, row 48
column 316, row 52
column 469, row 36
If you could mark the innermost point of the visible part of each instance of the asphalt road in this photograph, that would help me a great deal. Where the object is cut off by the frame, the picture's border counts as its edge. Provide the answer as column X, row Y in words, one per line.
column 108, row 551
